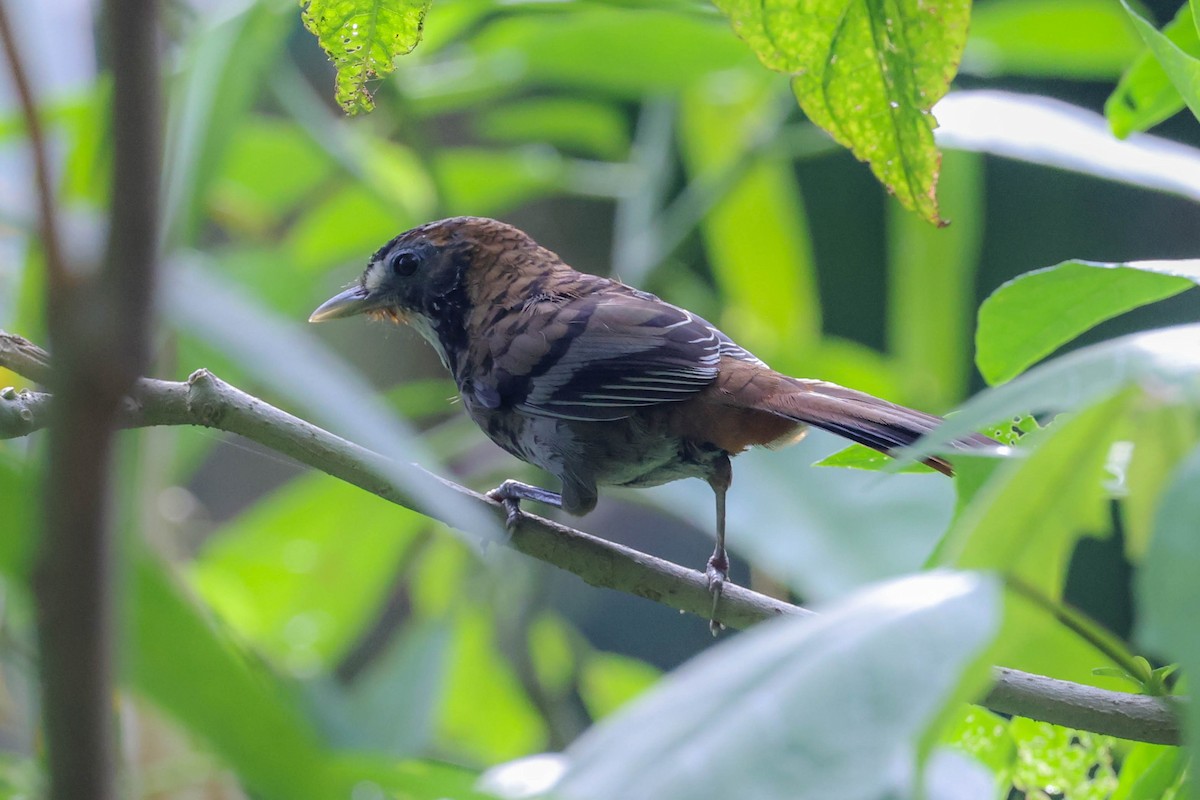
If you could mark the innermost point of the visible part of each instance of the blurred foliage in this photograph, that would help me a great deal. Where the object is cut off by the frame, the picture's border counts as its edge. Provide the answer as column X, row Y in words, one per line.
column 286, row 636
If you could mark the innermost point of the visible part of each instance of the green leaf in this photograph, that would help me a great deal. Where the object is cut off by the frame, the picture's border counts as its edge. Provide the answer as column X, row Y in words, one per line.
column 283, row 577
column 931, row 275
column 363, row 38
column 1182, row 68
column 1162, row 437
column 221, row 72
column 1149, row 772
column 1166, row 360
column 1081, row 39
column 1145, row 95
column 480, row 681
column 574, row 124
column 1027, row 518
column 796, row 703
column 190, row 668
column 858, row 456
column 757, row 234
column 479, row 181
column 1031, row 316
column 867, row 71
column 1166, row 589
column 19, row 498
column 1053, row 760
column 609, row 681
column 271, row 168
column 575, row 51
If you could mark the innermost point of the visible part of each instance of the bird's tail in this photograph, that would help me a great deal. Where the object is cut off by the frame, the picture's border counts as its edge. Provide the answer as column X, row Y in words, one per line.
column 857, row 416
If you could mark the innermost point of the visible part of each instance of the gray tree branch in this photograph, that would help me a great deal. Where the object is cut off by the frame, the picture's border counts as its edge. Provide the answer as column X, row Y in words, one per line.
column 206, row 400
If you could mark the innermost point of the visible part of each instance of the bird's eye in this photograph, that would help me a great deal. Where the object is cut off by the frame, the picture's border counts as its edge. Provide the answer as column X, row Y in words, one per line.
column 404, row 263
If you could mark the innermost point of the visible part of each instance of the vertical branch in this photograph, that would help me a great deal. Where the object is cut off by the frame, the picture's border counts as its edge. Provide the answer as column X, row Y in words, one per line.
column 98, row 323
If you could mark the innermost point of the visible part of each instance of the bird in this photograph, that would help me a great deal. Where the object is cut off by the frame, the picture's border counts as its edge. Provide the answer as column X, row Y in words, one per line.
column 596, row 382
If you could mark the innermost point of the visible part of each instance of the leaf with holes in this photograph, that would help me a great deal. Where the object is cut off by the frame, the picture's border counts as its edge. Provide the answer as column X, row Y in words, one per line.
column 867, row 71
column 363, row 38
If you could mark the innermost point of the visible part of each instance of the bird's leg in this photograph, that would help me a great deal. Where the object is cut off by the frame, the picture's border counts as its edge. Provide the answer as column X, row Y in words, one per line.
column 511, row 493
column 717, row 570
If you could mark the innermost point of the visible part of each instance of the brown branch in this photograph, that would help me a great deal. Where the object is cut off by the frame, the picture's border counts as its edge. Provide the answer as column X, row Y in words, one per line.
column 206, row 400
column 98, row 323
column 43, row 182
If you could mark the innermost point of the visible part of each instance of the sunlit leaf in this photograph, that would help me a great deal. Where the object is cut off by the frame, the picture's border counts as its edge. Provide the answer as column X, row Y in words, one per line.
column 1056, row 760
column 1032, row 315
column 867, row 71
column 754, row 701
column 363, row 38
column 1182, row 67
column 1145, row 95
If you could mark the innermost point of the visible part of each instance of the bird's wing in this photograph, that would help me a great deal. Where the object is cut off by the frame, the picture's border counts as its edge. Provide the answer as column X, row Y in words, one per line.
column 597, row 357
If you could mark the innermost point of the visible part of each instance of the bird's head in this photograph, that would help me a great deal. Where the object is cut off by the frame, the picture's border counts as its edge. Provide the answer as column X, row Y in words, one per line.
column 429, row 276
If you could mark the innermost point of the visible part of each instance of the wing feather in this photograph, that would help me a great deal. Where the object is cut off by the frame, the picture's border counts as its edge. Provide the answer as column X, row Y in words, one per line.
column 600, row 357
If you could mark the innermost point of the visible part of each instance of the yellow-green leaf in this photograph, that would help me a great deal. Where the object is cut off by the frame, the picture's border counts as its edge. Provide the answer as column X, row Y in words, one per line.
column 867, row 71
column 363, row 38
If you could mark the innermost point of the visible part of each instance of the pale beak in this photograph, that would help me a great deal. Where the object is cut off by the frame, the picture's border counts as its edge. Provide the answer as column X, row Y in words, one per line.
column 354, row 300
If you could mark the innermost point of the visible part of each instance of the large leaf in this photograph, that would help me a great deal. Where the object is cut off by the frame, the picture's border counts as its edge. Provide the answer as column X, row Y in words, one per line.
column 1031, row 316
column 1166, row 588
column 1166, row 360
column 206, row 680
column 1026, row 519
column 363, row 38
column 1182, row 68
column 1042, row 130
column 1145, row 95
column 867, row 71
column 802, row 707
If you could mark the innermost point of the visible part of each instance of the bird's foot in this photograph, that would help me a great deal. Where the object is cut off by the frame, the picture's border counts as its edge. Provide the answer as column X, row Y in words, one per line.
column 717, row 572
column 511, row 493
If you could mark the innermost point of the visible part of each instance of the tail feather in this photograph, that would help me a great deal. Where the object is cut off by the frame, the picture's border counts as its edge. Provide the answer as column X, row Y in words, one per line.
column 859, row 417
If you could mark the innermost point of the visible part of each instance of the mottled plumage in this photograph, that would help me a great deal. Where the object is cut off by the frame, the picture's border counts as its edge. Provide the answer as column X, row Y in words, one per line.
column 596, row 382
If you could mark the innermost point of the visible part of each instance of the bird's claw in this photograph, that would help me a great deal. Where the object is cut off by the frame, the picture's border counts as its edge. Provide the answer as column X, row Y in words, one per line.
column 512, row 505
column 717, row 572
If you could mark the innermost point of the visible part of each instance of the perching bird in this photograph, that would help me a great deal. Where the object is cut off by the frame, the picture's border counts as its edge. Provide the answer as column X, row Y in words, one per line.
column 596, row 382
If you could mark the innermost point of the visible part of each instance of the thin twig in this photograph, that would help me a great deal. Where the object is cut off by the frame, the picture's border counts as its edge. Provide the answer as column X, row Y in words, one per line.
column 43, row 183
column 206, row 400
